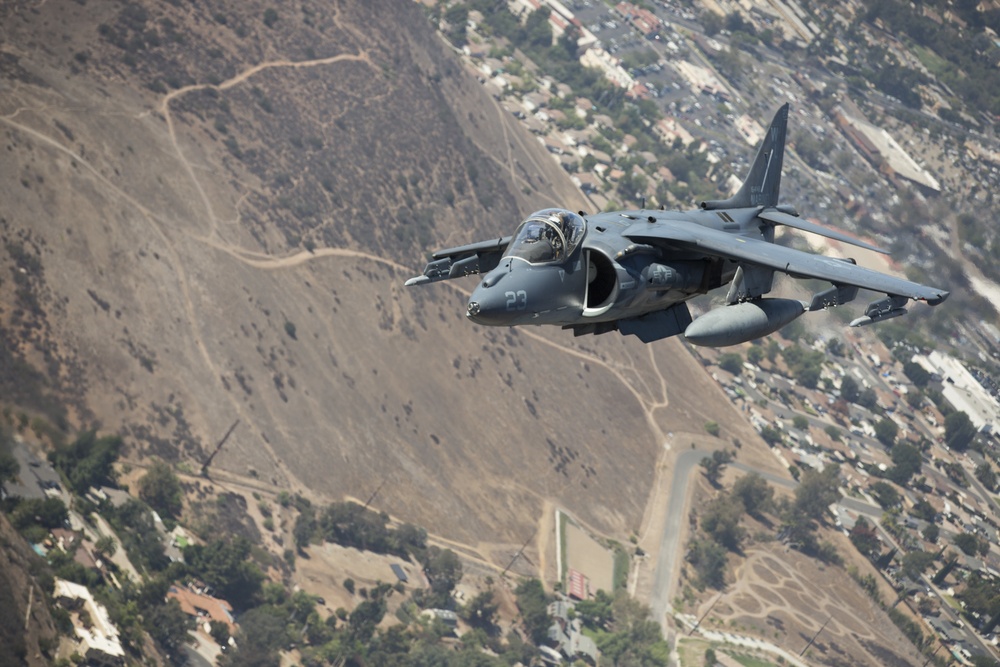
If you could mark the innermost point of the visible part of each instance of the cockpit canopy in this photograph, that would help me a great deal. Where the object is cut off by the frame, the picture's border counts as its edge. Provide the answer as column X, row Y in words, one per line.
column 549, row 235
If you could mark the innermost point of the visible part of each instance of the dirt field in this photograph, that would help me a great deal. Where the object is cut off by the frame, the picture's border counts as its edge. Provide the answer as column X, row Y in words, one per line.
column 784, row 597
column 586, row 555
column 328, row 565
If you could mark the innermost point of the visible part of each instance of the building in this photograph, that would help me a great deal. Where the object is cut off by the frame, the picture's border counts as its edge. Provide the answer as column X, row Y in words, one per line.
column 566, row 636
column 885, row 153
column 608, row 64
column 643, row 20
column 99, row 640
column 962, row 390
column 203, row 608
column 397, row 570
column 446, row 616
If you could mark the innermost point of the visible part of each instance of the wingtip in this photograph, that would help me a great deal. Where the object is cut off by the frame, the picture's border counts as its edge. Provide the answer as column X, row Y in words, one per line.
column 939, row 299
column 416, row 280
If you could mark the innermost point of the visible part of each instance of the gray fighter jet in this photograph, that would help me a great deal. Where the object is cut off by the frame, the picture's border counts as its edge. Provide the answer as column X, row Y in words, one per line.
column 634, row 271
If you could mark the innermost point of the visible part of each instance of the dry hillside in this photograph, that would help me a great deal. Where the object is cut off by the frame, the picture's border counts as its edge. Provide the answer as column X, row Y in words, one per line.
column 24, row 632
column 209, row 214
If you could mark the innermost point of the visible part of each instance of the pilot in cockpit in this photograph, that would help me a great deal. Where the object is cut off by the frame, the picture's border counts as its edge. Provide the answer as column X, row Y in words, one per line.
column 547, row 236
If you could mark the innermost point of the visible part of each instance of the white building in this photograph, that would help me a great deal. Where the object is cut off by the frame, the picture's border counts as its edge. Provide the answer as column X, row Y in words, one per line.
column 99, row 641
column 962, row 390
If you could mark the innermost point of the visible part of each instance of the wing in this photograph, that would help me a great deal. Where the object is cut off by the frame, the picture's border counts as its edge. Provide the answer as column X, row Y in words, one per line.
column 781, row 218
column 462, row 261
column 687, row 235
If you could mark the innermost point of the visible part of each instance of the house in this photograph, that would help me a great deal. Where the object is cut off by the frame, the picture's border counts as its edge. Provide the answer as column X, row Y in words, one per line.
column 203, row 607
column 99, row 640
column 71, row 542
column 566, row 636
column 446, row 616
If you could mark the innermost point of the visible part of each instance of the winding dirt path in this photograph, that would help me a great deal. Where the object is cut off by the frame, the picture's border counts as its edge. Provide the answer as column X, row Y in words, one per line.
column 649, row 398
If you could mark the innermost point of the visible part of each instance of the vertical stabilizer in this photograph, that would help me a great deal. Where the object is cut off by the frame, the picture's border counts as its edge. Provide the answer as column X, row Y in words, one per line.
column 762, row 183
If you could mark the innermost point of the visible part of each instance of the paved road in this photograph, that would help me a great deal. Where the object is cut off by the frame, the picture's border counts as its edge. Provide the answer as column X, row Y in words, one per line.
column 663, row 578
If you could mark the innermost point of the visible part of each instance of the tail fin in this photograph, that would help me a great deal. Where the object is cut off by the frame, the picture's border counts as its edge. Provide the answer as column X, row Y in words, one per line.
column 761, row 185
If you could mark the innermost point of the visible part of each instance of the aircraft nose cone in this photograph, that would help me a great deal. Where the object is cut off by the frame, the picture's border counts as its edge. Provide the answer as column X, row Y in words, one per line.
column 488, row 306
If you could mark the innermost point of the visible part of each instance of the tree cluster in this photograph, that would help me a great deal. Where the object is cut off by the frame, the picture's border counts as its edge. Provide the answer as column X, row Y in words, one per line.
column 720, row 524
column 88, row 461
column 351, row 525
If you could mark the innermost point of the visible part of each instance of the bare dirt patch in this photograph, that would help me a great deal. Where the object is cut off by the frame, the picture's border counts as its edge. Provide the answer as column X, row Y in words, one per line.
column 327, row 566
column 589, row 557
column 787, row 597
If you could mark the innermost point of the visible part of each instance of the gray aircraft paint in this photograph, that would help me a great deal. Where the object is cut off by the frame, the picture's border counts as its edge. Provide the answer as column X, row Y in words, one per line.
column 634, row 271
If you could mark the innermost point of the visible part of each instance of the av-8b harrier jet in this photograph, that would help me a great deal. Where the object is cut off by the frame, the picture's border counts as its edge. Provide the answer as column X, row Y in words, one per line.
column 634, row 271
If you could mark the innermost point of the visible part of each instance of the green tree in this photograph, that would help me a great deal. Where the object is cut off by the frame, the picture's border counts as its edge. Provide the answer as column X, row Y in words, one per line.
column 133, row 522
column 721, row 520
column 161, row 489
column 867, row 398
column 45, row 512
column 596, row 613
column 263, row 633
column 88, row 461
column 886, row 431
column 865, row 539
column 958, row 431
column 917, row 374
column 457, row 16
column 715, row 464
column 849, row 389
column 167, row 625
column 731, row 362
column 537, row 30
column 771, row 435
column 755, row 493
column 885, row 494
column 533, row 605
column 444, row 570
column 967, row 542
column 916, row 563
column 480, row 611
column 800, row 422
column 270, row 17
column 635, row 638
column 906, row 463
column 756, row 354
column 106, row 546
column 931, row 532
column 219, row 632
column 224, row 565
column 808, row 376
column 709, row 560
column 817, row 491
column 986, row 476
column 923, row 510
column 711, row 23
column 365, row 618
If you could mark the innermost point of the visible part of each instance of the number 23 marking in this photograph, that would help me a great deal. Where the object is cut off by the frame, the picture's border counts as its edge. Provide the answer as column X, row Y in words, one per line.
column 516, row 300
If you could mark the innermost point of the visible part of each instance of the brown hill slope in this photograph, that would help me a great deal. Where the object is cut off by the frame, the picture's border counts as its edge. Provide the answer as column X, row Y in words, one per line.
column 24, row 634
column 214, row 215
